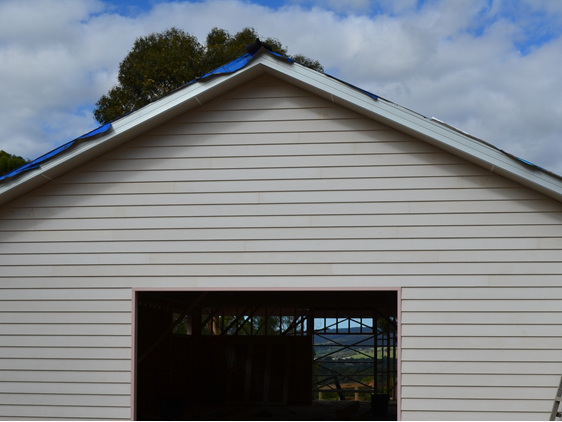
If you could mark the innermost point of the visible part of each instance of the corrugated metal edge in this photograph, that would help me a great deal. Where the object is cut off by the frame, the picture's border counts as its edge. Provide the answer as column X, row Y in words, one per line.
column 512, row 156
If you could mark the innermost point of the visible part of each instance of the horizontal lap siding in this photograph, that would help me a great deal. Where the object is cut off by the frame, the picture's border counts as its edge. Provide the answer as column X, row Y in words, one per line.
column 481, row 349
column 270, row 186
column 68, row 357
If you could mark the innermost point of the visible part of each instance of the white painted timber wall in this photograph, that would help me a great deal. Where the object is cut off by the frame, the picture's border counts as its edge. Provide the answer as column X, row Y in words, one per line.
column 270, row 187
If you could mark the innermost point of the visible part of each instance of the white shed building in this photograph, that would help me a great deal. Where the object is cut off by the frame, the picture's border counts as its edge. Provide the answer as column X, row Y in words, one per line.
column 133, row 260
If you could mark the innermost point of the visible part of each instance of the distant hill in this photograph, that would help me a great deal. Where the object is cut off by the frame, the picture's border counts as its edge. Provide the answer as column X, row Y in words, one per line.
column 352, row 336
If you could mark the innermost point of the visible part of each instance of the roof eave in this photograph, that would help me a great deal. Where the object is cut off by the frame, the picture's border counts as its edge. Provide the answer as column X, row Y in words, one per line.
column 429, row 130
column 196, row 94
column 129, row 127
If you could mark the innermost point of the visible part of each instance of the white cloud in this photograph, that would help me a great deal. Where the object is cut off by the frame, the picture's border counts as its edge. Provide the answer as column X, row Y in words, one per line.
column 340, row 6
column 488, row 68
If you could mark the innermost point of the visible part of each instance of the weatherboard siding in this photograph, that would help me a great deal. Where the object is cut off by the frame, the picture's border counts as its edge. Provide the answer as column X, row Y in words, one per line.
column 269, row 186
column 492, row 352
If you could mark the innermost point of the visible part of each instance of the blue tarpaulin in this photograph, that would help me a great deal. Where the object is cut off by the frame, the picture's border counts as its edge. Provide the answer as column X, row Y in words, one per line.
column 230, row 67
column 238, row 64
column 35, row 163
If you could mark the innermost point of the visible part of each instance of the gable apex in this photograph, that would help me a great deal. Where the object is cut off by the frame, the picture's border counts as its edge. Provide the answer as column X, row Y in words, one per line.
column 245, row 69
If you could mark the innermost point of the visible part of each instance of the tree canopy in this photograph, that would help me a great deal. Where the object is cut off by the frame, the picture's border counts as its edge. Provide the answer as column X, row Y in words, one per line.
column 161, row 62
column 9, row 162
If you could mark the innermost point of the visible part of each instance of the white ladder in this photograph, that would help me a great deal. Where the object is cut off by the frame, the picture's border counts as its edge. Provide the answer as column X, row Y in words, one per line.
column 554, row 414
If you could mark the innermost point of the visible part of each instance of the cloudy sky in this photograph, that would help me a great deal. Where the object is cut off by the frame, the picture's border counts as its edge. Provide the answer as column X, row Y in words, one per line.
column 489, row 67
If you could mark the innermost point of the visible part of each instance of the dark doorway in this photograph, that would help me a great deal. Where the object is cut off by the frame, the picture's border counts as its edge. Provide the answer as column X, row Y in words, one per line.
column 301, row 355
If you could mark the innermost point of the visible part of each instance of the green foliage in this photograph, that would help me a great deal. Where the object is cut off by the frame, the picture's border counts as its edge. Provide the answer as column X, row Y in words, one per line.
column 162, row 62
column 9, row 162
column 305, row 61
column 157, row 64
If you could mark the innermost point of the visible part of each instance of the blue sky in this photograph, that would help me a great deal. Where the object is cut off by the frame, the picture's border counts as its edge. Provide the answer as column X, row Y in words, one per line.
column 488, row 67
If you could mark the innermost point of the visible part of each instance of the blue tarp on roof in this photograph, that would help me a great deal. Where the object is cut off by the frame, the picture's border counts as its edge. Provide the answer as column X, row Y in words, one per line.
column 238, row 64
column 230, row 67
column 37, row 162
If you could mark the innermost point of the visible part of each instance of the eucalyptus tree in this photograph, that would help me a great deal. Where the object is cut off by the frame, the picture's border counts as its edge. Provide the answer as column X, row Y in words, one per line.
column 162, row 62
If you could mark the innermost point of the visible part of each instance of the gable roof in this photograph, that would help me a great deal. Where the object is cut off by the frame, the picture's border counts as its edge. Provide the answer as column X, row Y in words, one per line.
column 243, row 70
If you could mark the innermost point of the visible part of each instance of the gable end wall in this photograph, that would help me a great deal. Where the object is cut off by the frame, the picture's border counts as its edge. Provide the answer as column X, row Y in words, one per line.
column 270, row 187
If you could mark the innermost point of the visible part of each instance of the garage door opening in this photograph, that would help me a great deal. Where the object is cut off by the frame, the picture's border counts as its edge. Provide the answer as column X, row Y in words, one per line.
column 266, row 355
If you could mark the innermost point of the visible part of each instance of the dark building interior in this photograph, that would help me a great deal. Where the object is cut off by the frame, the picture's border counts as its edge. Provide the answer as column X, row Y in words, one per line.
column 275, row 355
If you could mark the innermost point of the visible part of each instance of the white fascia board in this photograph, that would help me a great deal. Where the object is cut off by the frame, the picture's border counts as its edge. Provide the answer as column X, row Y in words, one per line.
column 429, row 130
